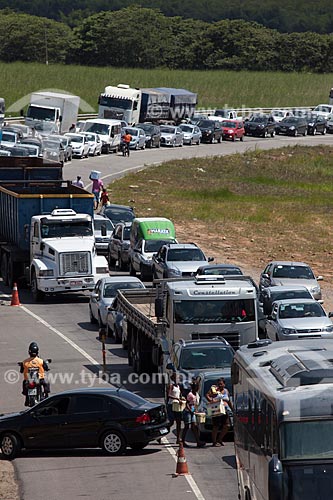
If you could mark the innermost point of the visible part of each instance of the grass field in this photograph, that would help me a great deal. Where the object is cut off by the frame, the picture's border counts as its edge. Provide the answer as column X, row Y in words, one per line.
column 214, row 88
column 250, row 207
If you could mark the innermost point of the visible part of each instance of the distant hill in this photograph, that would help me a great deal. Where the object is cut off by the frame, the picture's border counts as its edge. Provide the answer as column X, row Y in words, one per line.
column 284, row 15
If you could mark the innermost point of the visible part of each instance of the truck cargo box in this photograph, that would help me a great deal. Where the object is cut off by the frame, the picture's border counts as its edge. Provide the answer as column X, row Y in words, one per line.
column 155, row 105
column 182, row 102
column 29, row 168
column 24, row 200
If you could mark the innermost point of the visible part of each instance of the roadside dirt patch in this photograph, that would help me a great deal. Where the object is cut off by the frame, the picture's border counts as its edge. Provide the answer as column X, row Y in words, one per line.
column 8, row 486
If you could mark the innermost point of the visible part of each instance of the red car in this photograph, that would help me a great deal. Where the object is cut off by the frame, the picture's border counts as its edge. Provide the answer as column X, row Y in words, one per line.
column 232, row 129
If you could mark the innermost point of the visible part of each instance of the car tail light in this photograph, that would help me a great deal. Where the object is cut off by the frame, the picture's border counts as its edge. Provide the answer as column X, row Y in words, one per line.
column 31, row 385
column 143, row 419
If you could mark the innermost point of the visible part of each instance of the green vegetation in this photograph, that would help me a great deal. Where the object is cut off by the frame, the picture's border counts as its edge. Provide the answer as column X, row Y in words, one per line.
column 137, row 37
column 276, row 202
column 214, row 88
column 285, row 15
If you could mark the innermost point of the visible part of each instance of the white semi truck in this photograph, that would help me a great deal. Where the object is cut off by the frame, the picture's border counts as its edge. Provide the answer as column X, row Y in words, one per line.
column 201, row 307
column 52, row 112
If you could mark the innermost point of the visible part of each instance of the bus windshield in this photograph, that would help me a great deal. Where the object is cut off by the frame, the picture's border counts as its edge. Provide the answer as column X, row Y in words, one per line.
column 307, row 440
column 214, row 311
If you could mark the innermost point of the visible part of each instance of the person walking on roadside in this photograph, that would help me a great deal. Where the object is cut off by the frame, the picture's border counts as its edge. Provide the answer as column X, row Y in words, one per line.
column 78, row 182
column 105, row 200
column 192, row 402
column 174, row 394
column 97, row 186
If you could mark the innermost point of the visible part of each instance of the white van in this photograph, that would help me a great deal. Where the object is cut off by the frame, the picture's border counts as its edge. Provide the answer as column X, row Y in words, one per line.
column 108, row 130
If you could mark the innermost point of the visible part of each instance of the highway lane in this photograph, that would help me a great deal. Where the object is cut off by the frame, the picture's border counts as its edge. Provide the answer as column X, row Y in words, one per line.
column 89, row 473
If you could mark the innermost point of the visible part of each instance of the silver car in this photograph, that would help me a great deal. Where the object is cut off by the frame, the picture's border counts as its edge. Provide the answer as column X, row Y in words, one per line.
column 192, row 134
column 104, row 294
column 171, row 136
column 291, row 273
column 95, row 143
column 298, row 319
column 175, row 260
column 138, row 140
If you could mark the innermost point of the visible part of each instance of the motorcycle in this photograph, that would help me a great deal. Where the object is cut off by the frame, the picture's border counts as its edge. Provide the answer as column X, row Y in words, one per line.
column 34, row 387
column 124, row 147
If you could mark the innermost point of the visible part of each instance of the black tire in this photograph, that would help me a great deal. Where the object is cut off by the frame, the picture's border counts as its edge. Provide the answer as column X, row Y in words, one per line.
column 113, row 443
column 10, row 446
column 132, row 271
column 117, row 337
column 109, row 332
column 100, row 324
column 145, row 276
column 37, row 295
column 93, row 320
column 241, row 138
column 138, row 446
column 265, row 133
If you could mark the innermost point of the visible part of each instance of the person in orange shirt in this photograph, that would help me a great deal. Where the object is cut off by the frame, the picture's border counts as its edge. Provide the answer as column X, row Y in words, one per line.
column 126, row 138
column 34, row 362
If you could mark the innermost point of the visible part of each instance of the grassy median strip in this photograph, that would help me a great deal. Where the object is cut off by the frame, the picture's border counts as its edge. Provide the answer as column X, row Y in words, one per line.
column 280, row 202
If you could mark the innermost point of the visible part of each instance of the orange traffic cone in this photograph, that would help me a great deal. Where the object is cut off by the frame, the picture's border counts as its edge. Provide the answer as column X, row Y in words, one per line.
column 15, row 296
column 182, row 467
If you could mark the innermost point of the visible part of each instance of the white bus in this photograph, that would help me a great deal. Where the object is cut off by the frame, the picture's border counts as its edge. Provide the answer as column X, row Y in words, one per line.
column 283, row 423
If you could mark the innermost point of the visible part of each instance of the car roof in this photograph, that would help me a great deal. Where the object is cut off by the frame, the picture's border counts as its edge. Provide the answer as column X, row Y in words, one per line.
column 181, row 245
column 205, row 343
column 296, row 301
column 288, row 263
column 120, row 207
column 281, row 288
column 120, row 279
column 219, row 266
column 107, row 391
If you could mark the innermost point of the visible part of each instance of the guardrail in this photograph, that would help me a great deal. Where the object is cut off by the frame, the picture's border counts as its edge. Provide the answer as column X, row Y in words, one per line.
column 241, row 112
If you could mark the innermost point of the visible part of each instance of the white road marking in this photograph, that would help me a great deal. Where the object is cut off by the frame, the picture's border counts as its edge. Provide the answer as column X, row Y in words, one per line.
column 193, row 485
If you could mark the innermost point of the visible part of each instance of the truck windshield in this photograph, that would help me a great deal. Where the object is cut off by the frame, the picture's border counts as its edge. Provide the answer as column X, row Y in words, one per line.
column 62, row 229
column 115, row 102
column 307, row 440
column 214, row 311
column 38, row 113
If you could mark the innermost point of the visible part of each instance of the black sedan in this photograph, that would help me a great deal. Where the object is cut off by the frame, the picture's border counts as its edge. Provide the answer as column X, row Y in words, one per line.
column 317, row 123
column 111, row 419
column 292, row 125
column 260, row 126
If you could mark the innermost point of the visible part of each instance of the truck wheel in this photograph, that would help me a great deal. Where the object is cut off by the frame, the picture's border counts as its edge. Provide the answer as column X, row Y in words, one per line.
column 37, row 295
column 4, row 269
column 144, row 275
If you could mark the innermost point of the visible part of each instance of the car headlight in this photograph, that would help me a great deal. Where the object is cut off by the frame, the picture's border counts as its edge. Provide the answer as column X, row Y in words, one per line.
column 209, row 131
column 46, row 272
column 288, row 331
column 230, row 131
column 311, row 124
column 315, row 289
column 292, row 128
column 261, row 125
column 328, row 329
column 175, row 272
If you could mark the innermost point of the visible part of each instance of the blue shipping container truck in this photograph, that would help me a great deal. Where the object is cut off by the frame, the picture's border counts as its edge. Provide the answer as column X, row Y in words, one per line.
column 29, row 168
column 19, row 202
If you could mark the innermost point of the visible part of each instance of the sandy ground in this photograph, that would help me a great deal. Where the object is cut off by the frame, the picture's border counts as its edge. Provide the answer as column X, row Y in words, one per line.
column 8, row 486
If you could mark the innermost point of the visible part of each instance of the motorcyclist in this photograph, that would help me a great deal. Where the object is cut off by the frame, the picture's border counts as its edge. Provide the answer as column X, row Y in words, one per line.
column 34, row 361
column 126, row 138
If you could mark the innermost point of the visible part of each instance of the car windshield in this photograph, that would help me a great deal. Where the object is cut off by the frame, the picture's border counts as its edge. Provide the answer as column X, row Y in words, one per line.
column 205, row 123
column 302, row 310
column 223, row 271
column 146, row 128
column 119, row 215
column 228, row 124
column 185, row 254
column 323, row 109
column 132, row 131
column 258, row 119
column 278, row 113
column 186, row 128
column 154, row 245
column 8, row 137
column 168, row 130
column 110, row 289
column 91, row 137
column 51, row 144
column 293, row 272
column 214, row 311
column 291, row 119
column 290, row 294
column 99, row 223
column 201, row 358
column 97, row 128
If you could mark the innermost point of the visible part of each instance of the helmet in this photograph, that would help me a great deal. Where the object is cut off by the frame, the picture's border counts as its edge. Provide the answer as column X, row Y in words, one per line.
column 33, row 349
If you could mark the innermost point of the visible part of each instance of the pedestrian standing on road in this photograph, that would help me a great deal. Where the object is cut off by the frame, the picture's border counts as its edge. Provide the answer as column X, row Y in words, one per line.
column 105, row 200
column 174, row 395
column 192, row 403
column 216, row 394
column 97, row 186
column 78, row 182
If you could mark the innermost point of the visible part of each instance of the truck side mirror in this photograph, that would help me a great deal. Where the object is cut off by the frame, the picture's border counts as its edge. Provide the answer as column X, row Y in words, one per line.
column 159, row 308
column 275, row 479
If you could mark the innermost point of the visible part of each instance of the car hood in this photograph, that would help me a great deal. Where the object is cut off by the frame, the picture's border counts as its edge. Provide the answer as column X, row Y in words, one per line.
column 289, row 281
column 305, row 323
column 7, row 417
column 187, row 266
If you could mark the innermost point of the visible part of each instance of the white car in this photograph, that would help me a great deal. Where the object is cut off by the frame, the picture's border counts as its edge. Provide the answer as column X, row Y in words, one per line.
column 95, row 143
column 80, row 145
column 324, row 110
column 104, row 294
column 279, row 114
column 9, row 139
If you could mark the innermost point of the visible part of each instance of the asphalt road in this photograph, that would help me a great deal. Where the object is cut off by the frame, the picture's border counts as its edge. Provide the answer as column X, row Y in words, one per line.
column 62, row 329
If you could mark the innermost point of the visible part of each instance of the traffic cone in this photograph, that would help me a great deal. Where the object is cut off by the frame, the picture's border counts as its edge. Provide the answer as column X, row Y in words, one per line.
column 182, row 467
column 15, row 296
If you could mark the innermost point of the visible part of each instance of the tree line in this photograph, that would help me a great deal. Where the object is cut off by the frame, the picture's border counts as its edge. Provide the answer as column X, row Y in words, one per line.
column 286, row 16
column 138, row 37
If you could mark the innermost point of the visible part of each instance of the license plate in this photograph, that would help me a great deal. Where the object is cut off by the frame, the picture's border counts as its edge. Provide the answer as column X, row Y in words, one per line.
column 76, row 283
column 164, row 431
column 33, row 392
